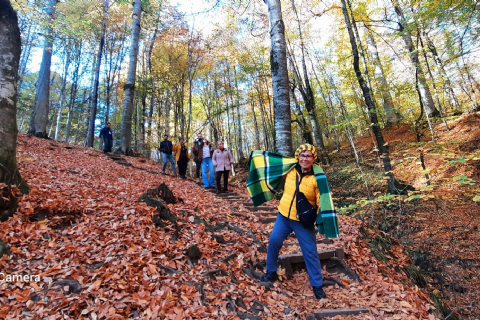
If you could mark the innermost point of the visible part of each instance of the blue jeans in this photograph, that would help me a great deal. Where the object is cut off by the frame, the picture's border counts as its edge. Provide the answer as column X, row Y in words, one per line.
column 207, row 164
column 170, row 158
column 307, row 240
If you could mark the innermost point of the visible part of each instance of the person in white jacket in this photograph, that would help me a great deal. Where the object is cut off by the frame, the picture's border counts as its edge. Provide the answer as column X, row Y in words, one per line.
column 222, row 161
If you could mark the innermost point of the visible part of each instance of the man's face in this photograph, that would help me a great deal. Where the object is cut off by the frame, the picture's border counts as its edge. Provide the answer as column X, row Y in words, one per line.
column 108, row 125
column 165, row 138
column 200, row 136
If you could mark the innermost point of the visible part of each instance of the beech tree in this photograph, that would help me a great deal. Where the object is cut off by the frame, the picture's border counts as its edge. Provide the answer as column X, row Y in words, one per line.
column 367, row 95
column 10, row 45
column 278, row 65
column 38, row 124
column 126, row 133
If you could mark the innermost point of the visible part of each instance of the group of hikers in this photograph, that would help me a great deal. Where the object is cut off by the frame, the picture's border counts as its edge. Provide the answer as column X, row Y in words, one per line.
column 213, row 163
column 306, row 201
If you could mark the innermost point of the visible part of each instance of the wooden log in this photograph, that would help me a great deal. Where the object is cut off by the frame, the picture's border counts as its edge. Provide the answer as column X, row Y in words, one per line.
column 268, row 220
column 337, row 312
column 293, row 262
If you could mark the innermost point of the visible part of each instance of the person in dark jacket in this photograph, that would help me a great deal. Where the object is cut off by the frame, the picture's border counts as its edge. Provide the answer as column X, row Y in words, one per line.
column 197, row 154
column 222, row 161
column 107, row 136
column 182, row 156
column 166, row 148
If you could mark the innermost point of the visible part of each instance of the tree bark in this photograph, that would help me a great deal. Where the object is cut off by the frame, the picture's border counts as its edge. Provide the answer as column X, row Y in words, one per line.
column 74, row 89
column 10, row 46
column 42, row 98
column 94, row 99
column 126, row 132
column 383, row 148
column 391, row 114
column 422, row 82
column 62, row 93
column 278, row 65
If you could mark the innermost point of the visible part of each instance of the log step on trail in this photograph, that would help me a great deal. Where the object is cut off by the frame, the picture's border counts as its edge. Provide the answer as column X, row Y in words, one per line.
column 335, row 312
column 119, row 159
column 295, row 262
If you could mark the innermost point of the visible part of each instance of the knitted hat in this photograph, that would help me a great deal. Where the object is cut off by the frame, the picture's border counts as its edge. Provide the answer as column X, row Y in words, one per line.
column 305, row 147
column 180, row 139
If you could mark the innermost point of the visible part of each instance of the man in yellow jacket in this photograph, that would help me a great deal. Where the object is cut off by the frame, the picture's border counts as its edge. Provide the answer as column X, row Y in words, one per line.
column 182, row 156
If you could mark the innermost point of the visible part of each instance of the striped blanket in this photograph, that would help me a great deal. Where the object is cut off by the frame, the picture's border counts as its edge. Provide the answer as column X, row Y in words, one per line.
column 266, row 176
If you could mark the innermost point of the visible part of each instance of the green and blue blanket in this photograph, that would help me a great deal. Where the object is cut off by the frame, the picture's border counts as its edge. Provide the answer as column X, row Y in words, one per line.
column 266, row 175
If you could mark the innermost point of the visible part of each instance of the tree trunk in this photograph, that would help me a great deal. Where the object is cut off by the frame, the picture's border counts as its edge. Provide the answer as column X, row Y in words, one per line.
column 40, row 115
column 255, row 125
column 94, row 99
column 392, row 115
column 383, row 148
column 422, row 82
column 278, row 65
column 74, row 89
column 126, row 134
column 447, row 84
column 62, row 94
column 240, row 136
column 10, row 46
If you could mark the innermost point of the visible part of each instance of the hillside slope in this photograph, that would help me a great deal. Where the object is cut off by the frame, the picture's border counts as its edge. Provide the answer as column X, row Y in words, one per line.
column 100, row 255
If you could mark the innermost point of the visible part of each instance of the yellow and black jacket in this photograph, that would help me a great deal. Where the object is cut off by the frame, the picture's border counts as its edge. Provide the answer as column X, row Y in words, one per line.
column 308, row 186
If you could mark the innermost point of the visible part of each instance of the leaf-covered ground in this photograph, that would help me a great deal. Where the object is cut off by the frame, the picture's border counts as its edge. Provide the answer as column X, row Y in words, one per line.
column 100, row 256
column 438, row 223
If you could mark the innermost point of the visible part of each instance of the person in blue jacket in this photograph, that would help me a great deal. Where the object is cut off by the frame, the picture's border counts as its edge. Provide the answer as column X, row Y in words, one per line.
column 107, row 136
column 166, row 148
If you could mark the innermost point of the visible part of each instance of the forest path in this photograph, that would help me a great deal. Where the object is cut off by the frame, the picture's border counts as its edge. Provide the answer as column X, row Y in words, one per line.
column 99, row 253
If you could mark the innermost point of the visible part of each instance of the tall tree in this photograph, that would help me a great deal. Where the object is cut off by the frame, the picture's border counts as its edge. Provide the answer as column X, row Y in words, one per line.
column 38, row 125
column 126, row 132
column 94, row 97
column 367, row 95
column 426, row 95
column 10, row 45
column 391, row 114
column 278, row 65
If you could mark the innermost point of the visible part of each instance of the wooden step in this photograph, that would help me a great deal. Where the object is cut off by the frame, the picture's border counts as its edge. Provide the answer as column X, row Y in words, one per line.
column 263, row 208
column 262, row 214
column 268, row 220
column 335, row 312
column 293, row 262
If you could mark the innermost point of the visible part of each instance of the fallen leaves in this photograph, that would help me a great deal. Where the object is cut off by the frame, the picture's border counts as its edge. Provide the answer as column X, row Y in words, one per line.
column 87, row 226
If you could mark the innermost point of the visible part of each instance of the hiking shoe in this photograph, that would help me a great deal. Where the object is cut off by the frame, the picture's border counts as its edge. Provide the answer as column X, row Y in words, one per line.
column 269, row 277
column 319, row 293
column 218, row 191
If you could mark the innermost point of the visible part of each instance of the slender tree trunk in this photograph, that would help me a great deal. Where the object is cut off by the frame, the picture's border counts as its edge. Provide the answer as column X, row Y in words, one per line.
column 383, row 148
column 152, row 82
column 255, row 125
column 239, row 118
column 10, row 46
column 40, row 115
column 73, row 90
column 391, row 114
column 62, row 94
column 278, row 64
column 447, row 84
column 25, row 56
column 422, row 82
column 126, row 135
column 94, row 99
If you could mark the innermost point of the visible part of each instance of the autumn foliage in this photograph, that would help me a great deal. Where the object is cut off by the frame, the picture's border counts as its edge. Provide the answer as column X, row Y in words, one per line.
column 100, row 255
